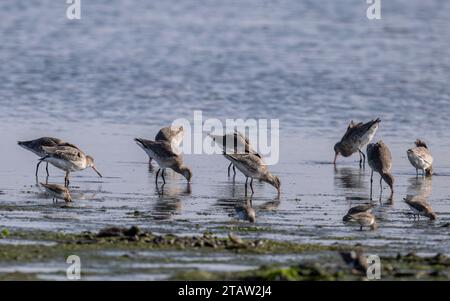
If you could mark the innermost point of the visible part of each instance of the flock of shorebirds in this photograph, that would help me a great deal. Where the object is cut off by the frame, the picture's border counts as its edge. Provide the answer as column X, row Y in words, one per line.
column 239, row 151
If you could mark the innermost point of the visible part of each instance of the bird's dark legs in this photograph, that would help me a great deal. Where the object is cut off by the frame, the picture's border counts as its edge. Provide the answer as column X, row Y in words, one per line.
column 381, row 186
column 162, row 174
column 46, row 168
column 234, row 169
column 37, row 168
column 246, row 181
column 66, row 179
column 371, row 184
column 362, row 159
column 160, row 192
column 251, row 185
column 417, row 173
column 156, row 178
column 360, row 228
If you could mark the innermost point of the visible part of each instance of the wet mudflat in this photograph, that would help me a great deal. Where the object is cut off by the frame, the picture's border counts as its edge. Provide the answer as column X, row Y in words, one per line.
column 315, row 196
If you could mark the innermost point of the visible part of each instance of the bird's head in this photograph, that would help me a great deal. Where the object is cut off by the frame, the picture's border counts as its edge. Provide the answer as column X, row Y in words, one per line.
column 186, row 172
column 337, row 151
column 90, row 163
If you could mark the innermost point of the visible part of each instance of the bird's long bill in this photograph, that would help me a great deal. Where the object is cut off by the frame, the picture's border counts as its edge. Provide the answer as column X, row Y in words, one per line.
column 335, row 157
column 95, row 169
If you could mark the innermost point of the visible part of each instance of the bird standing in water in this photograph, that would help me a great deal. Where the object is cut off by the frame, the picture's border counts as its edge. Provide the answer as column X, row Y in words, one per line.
column 421, row 158
column 358, row 209
column 163, row 154
column 37, row 146
column 253, row 167
column 357, row 136
column 380, row 160
column 364, row 219
column 234, row 143
column 172, row 135
column 69, row 159
column 420, row 206
column 57, row 192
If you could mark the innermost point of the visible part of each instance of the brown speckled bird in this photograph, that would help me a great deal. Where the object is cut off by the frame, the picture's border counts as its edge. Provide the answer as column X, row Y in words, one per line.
column 421, row 158
column 358, row 209
column 380, row 160
column 253, row 167
column 57, row 192
column 420, row 206
column 357, row 136
column 165, row 156
column 37, row 146
column 364, row 219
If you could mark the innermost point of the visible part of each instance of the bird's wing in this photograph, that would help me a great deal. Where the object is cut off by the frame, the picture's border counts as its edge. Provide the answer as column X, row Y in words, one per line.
column 252, row 162
column 248, row 146
column 160, row 148
column 385, row 157
column 359, row 129
column 352, row 129
column 368, row 125
column 66, row 153
column 424, row 154
column 360, row 208
column 415, row 205
column 55, row 188
column 170, row 134
column 239, row 134
column 68, row 144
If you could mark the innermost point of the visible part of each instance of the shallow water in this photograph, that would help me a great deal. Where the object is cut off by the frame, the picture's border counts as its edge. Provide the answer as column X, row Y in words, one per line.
column 127, row 69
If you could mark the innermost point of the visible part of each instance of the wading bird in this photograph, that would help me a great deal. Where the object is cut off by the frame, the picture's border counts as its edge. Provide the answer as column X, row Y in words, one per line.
column 420, row 206
column 364, row 219
column 421, row 158
column 172, row 135
column 57, row 192
column 69, row 159
column 357, row 136
column 380, row 160
column 234, row 143
column 253, row 167
column 37, row 146
column 358, row 209
column 162, row 153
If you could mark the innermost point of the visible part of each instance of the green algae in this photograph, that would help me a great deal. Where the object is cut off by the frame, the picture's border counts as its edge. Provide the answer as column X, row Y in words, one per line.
column 420, row 268
column 326, row 266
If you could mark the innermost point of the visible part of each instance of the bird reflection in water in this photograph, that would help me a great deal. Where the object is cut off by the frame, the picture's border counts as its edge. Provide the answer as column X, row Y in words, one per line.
column 168, row 202
column 246, row 211
column 418, row 192
column 419, row 187
column 349, row 178
column 350, row 181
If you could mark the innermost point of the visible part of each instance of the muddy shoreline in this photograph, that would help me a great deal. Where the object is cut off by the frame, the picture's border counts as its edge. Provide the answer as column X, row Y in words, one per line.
column 313, row 262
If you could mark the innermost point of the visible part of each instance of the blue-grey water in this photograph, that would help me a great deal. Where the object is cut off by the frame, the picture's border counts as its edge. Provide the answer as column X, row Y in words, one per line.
column 128, row 68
